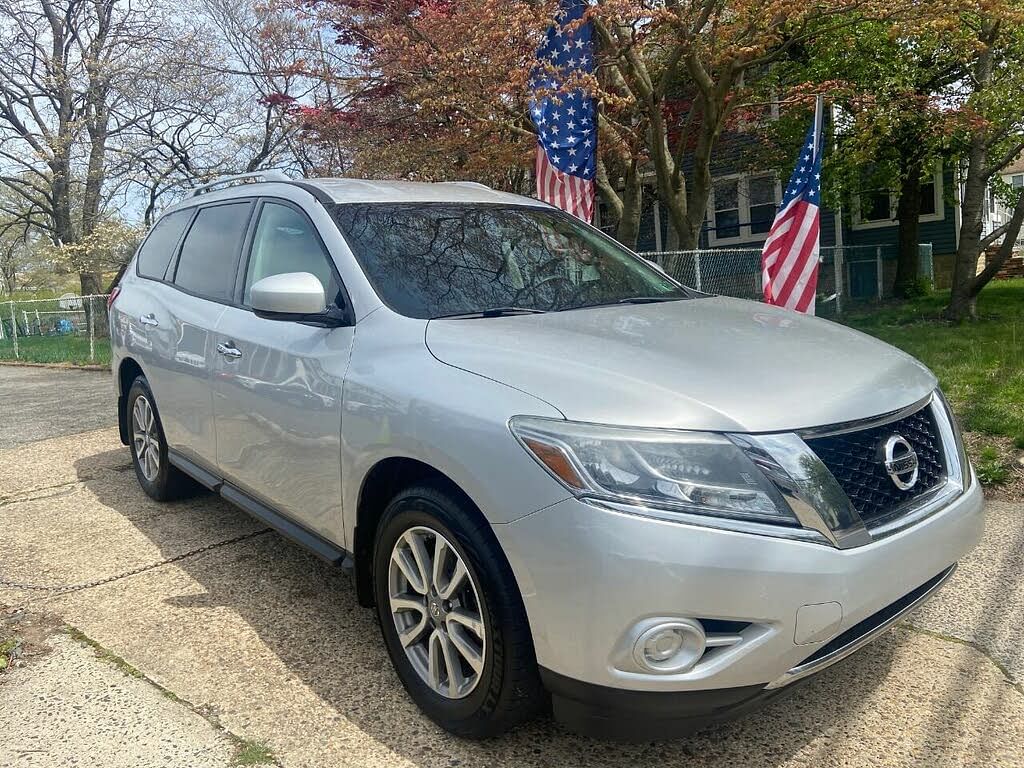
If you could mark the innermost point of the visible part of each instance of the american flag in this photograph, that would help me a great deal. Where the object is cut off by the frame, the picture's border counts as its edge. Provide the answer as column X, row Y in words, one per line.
column 566, row 129
column 789, row 260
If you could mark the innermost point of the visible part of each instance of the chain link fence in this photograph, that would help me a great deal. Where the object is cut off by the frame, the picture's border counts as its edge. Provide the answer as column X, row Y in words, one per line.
column 66, row 329
column 846, row 274
column 73, row 329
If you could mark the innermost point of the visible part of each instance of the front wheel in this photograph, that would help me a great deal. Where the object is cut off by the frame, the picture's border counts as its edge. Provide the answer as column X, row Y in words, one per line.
column 451, row 615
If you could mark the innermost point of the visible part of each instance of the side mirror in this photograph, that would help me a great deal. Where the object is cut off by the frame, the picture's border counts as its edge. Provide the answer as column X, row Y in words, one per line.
column 284, row 296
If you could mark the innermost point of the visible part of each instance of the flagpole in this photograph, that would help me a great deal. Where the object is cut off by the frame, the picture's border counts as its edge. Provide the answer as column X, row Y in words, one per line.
column 819, row 146
column 838, row 267
column 819, row 109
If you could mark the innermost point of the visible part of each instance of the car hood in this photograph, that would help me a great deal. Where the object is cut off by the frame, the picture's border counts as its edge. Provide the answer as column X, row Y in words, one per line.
column 713, row 363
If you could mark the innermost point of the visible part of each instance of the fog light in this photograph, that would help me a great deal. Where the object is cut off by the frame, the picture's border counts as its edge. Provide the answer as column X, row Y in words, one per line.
column 663, row 645
column 670, row 647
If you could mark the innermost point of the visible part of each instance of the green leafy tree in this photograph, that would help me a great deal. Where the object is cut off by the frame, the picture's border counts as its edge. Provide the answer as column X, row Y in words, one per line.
column 892, row 90
column 444, row 85
column 991, row 97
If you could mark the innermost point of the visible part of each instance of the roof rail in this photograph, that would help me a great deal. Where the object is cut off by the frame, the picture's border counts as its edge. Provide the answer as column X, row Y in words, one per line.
column 271, row 174
column 475, row 184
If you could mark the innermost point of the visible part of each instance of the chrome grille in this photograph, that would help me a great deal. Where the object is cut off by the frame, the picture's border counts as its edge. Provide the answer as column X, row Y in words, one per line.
column 855, row 461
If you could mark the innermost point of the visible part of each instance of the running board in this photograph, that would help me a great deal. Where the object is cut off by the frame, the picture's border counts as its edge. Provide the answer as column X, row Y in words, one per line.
column 287, row 527
column 193, row 470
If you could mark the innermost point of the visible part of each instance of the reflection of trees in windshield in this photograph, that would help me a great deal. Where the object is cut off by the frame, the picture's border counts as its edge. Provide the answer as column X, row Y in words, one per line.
column 432, row 260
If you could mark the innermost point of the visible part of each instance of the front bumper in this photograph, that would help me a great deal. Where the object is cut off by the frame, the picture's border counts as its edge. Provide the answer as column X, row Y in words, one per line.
column 588, row 575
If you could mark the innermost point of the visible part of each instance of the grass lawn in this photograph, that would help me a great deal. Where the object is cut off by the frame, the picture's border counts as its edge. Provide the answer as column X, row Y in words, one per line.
column 56, row 349
column 980, row 365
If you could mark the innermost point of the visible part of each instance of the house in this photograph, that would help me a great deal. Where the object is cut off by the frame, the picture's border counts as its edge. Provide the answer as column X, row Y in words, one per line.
column 742, row 205
column 996, row 211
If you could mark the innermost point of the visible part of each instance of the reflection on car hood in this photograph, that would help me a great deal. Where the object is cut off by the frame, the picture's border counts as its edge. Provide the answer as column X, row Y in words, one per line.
column 716, row 363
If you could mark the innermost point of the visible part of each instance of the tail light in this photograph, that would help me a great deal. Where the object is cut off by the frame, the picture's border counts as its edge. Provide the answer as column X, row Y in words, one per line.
column 113, row 295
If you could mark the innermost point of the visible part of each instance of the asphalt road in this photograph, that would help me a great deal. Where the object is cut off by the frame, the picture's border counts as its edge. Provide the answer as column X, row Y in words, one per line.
column 265, row 643
column 37, row 403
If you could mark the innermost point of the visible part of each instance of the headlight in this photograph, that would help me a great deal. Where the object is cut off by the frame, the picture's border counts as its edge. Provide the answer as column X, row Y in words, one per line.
column 691, row 472
column 958, row 441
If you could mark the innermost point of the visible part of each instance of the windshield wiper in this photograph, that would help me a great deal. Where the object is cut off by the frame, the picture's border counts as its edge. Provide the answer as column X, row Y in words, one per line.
column 650, row 299
column 498, row 312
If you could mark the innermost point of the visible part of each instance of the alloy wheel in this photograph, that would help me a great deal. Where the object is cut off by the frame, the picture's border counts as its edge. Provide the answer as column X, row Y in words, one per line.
column 437, row 612
column 145, row 438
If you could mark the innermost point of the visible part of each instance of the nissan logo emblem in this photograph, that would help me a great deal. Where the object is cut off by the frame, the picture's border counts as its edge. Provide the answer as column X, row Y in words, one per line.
column 900, row 461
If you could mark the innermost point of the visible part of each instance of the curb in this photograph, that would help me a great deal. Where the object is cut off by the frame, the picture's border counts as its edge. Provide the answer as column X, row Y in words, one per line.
column 57, row 366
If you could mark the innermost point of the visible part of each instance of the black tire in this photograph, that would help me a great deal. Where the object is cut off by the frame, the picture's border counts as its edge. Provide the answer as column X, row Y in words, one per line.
column 170, row 483
column 509, row 690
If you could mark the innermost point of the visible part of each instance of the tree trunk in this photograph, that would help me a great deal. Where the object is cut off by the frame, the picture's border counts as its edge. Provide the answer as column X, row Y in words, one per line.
column 962, row 298
column 995, row 263
column 908, row 211
column 962, row 302
column 622, row 207
column 632, row 205
column 95, row 309
column 686, row 201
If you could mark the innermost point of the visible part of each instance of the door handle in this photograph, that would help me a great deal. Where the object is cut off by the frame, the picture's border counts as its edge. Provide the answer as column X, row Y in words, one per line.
column 229, row 350
column 149, row 319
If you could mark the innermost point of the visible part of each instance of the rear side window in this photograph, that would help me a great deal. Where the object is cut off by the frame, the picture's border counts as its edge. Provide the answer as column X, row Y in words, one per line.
column 209, row 255
column 156, row 252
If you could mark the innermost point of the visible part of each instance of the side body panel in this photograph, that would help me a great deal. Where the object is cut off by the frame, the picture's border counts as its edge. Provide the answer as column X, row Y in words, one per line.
column 168, row 333
column 402, row 402
column 278, row 415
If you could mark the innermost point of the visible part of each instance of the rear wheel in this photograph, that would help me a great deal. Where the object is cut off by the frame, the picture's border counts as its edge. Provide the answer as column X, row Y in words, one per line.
column 451, row 615
column 157, row 477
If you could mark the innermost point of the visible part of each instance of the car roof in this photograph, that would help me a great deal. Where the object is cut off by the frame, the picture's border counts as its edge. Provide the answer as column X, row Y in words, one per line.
column 367, row 191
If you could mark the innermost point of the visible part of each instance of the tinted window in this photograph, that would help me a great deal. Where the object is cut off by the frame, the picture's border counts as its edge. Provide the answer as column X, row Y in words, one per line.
column 156, row 252
column 435, row 260
column 285, row 241
column 210, row 251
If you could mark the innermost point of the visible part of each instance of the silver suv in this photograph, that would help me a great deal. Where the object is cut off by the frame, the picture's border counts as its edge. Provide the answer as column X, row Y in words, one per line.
column 561, row 477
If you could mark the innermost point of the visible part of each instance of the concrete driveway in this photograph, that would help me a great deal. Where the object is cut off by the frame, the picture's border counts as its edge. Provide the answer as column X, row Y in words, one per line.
column 257, row 641
column 36, row 403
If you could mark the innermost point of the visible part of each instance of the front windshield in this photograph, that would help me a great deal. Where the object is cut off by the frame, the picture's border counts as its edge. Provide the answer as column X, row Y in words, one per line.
column 436, row 260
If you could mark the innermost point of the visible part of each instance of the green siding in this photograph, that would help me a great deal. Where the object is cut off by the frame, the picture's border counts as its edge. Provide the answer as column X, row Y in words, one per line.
column 941, row 234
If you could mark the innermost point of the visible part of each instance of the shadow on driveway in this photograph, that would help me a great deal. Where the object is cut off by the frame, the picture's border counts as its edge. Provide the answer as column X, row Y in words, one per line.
column 305, row 613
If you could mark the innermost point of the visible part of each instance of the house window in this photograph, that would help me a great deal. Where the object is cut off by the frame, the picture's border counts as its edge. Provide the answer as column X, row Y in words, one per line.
column 743, row 208
column 727, row 209
column 1017, row 181
column 762, row 203
column 928, row 201
column 877, row 208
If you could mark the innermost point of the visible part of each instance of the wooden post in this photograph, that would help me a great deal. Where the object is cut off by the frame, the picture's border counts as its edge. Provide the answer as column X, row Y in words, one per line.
column 14, row 331
column 837, row 265
column 879, row 272
column 92, row 335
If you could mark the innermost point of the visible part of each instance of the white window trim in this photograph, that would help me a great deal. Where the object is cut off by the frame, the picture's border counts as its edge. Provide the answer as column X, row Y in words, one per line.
column 743, row 193
column 892, row 221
